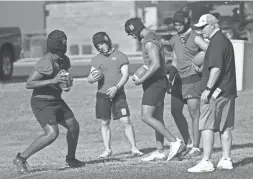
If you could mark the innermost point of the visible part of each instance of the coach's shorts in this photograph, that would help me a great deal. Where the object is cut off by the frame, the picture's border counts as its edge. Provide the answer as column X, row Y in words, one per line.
column 50, row 111
column 117, row 107
column 154, row 92
column 217, row 115
column 187, row 88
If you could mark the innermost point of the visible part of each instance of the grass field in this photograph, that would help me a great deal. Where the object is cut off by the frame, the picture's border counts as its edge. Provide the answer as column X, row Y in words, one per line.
column 18, row 128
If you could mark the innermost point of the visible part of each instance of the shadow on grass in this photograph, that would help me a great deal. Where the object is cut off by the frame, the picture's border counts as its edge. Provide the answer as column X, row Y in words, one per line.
column 110, row 159
column 144, row 150
column 235, row 146
column 244, row 162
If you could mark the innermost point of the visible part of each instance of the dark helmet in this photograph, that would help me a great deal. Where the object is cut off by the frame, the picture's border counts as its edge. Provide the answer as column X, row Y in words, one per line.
column 182, row 17
column 101, row 37
column 57, row 41
column 134, row 26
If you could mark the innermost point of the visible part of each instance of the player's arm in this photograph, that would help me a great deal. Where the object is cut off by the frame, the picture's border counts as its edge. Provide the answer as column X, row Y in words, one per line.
column 34, row 80
column 91, row 78
column 153, row 52
column 203, row 45
column 125, row 76
column 173, row 68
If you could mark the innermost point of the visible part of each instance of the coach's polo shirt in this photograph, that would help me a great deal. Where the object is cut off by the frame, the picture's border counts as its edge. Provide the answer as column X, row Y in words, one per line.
column 220, row 54
column 111, row 68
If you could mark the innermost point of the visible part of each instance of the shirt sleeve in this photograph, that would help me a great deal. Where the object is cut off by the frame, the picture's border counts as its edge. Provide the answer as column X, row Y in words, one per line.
column 123, row 61
column 95, row 62
column 215, row 56
column 67, row 63
column 44, row 66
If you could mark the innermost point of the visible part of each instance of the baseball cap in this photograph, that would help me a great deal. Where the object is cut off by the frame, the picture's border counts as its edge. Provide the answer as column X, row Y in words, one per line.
column 206, row 19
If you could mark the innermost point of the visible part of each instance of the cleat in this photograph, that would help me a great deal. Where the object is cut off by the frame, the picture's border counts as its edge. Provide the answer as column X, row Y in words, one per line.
column 136, row 152
column 107, row 153
column 202, row 166
column 20, row 164
column 174, row 148
column 156, row 155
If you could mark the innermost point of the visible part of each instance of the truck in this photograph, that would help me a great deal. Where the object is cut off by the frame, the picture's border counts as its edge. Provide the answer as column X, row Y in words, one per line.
column 10, row 49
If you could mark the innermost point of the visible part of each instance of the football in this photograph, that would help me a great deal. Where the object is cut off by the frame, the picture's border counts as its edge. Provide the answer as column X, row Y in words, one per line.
column 98, row 72
column 69, row 83
column 198, row 59
column 141, row 72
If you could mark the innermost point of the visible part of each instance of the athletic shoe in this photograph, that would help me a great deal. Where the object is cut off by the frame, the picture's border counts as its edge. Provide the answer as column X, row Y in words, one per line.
column 156, row 155
column 202, row 166
column 136, row 152
column 194, row 151
column 20, row 164
column 74, row 163
column 174, row 148
column 225, row 164
column 106, row 153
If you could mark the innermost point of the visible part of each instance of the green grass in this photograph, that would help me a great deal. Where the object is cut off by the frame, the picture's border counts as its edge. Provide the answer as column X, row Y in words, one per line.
column 18, row 128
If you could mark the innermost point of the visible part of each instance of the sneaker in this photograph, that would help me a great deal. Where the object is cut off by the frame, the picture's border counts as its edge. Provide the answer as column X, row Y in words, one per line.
column 194, row 151
column 20, row 164
column 136, row 152
column 156, row 155
column 225, row 164
column 202, row 166
column 106, row 153
column 174, row 148
column 74, row 163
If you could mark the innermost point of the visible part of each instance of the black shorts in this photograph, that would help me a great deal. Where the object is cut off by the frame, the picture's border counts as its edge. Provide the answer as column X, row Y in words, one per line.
column 115, row 108
column 187, row 88
column 50, row 111
column 154, row 91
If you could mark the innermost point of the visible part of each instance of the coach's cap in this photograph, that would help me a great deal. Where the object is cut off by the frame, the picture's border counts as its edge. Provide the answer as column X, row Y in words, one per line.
column 206, row 19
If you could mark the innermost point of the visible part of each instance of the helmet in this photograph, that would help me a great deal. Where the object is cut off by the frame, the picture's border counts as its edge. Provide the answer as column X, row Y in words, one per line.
column 182, row 17
column 134, row 26
column 101, row 37
column 57, row 41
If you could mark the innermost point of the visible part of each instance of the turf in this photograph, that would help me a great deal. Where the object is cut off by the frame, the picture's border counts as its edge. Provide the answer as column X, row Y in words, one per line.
column 18, row 128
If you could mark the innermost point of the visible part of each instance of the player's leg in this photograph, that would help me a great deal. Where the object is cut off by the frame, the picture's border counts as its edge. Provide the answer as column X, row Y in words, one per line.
column 153, row 97
column 44, row 113
column 103, row 112
column 177, row 105
column 159, row 137
column 66, row 118
column 121, row 111
column 194, row 110
column 159, row 153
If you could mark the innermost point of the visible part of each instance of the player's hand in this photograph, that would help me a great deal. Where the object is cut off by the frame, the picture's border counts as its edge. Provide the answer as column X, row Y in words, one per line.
column 205, row 95
column 111, row 92
column 196, row 68
column 136, row 81
column 94, row 77
column 59, row 78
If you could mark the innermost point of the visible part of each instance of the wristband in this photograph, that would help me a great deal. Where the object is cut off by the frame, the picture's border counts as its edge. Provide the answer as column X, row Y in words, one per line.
column 117, row 86
column 208, row 89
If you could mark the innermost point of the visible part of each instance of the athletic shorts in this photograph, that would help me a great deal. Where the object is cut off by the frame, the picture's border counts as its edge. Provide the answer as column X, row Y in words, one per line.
column 217, row 115
column 115, row 108
column 187, row 88
column 154, row 91
column 50, row 111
